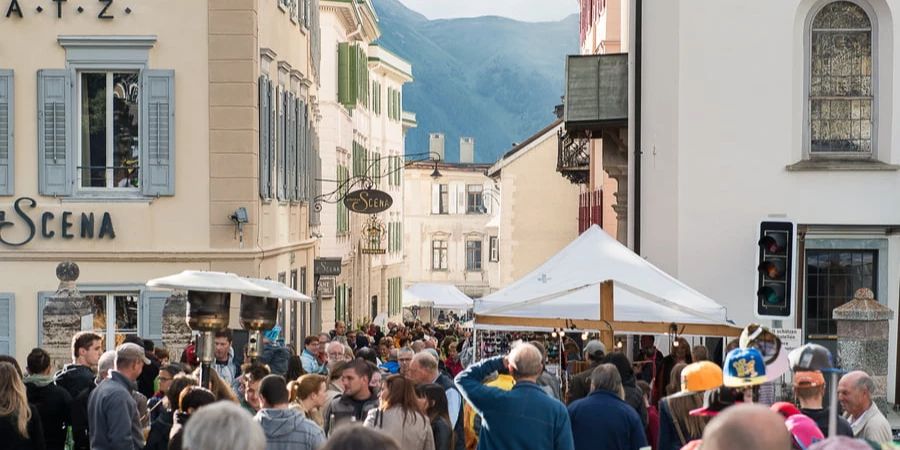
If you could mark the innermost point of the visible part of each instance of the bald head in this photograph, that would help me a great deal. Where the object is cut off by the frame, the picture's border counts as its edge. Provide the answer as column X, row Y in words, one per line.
column 855, row 392
column 424, row 368
column 747, row 426
column 525, row 361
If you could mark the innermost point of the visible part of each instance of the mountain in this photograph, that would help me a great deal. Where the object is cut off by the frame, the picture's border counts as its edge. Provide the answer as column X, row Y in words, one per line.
column 492, row 78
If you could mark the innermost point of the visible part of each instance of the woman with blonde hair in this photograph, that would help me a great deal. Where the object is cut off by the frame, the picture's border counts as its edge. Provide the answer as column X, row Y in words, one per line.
column 399, row 415
column 20, row 423
column 218, row 387
column 309, row 394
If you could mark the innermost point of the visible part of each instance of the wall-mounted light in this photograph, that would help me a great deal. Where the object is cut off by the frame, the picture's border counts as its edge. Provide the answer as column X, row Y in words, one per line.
column 240, row 217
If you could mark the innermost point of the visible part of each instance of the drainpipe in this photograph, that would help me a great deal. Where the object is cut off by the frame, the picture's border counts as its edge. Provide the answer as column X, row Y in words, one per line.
column 638, row 10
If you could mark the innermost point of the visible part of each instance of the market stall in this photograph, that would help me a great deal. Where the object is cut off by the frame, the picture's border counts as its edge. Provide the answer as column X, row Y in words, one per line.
column 433, row 296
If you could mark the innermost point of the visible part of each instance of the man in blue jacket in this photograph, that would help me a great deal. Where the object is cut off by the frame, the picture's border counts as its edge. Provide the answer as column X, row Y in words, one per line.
column 523, row 418
column 603, row 419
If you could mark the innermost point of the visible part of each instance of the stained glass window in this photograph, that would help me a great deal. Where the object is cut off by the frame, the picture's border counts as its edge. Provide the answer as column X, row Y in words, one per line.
column 840, row 83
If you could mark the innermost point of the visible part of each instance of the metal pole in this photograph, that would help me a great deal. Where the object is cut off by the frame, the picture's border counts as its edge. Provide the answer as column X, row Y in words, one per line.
column 205, row 367
column 832, row 412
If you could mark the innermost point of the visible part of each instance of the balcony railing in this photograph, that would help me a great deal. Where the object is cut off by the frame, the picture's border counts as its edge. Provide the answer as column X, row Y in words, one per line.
column 590, row 210
column 574, row 156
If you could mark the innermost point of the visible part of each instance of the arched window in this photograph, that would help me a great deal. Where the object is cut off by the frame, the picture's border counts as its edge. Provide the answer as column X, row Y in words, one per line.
column 840, row 81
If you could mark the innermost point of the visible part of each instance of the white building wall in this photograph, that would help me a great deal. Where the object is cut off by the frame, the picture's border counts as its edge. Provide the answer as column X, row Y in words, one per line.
column 723, row 102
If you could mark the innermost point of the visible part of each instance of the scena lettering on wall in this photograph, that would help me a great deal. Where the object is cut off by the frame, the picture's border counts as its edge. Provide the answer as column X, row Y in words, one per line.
column 51, row 226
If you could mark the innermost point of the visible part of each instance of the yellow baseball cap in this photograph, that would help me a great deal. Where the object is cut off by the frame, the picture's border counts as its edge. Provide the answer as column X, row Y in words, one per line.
column 701, row 376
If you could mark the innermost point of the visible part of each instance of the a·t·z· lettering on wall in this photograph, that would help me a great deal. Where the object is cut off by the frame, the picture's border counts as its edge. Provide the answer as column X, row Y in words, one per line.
column 105, row 9
column 50, row 226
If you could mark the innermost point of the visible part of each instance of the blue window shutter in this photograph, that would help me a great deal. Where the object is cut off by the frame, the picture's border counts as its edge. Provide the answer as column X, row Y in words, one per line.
column 158, row 132
column 7, row 324
column 54, row 111
column 289, row 145
column 7, row 154
column 302, row 156
column 265, row 172
column 152, row 304
column 282, row 175
column 273, row 134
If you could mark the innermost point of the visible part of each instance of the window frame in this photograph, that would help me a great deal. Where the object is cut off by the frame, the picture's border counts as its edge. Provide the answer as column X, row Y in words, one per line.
column 479, row 261
column 807, row 153
column 443, row 198
column 493, row 249
column 444, row 261
column 478, row 207
column 110, row 133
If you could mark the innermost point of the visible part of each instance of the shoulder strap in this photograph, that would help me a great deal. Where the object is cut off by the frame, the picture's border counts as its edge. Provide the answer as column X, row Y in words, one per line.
column 675, row 422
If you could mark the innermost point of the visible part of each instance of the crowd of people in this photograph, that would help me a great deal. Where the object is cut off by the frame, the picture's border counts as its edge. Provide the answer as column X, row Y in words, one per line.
column 413, row 386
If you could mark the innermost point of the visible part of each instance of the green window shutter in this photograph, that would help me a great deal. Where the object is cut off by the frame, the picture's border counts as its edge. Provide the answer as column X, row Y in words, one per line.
column 7, row 324
column 158, row 141
column 354, row 76
column 152, row 304
column 344, row 74
column 7, row 153
column 54, row 110
column 265, row 169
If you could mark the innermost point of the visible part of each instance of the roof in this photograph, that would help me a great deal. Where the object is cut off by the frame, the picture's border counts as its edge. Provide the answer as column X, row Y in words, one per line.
column 524, row 146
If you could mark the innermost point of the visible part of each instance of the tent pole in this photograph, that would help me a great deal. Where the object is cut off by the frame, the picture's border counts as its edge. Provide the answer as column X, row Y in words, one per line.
column 607, row 313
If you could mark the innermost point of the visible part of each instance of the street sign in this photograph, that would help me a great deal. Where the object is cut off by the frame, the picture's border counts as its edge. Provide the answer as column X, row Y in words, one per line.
column 325, row 288
column 791, row 338
column 368, row 201
column 327, row 267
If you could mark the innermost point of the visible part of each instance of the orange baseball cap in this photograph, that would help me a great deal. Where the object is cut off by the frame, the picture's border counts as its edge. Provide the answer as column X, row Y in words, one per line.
column 808, row 379
column 701, row 376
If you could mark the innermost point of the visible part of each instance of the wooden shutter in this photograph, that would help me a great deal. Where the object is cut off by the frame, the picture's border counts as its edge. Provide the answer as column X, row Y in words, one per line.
column 54, row 170
column 435, row 198
column 7, row 324
column 265, row 168
column 454, row 199
column 279, row 167
column 7, row 154
column 291, row 157
column 488, row 197
column 344, row 74
column 158, row 133
column 302, row 155
column 151, row 312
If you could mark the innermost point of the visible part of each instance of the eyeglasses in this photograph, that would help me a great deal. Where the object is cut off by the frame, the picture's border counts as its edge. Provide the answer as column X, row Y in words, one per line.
column 164, row 378
column 335, row 355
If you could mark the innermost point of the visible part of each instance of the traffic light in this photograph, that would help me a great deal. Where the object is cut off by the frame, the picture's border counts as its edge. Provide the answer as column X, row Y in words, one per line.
column 777, row 247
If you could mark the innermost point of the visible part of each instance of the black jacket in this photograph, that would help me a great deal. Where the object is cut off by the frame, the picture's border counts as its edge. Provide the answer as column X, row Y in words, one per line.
column 12, row 440
column 53, row 403
column 344, row 409
column 635, row 397
column 158, row 439
column 440, row 428
column 75, row 378
column 79, row 413
column 148, row 377
column 580, row 386
column 459, row 430
column 820, row 416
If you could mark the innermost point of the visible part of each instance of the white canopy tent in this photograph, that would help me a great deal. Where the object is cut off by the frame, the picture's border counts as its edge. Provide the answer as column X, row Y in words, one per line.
column 432, row 295
column 596, row 283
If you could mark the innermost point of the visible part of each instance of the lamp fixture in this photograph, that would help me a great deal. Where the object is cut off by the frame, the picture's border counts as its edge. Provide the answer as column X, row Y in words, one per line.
column 435, row 174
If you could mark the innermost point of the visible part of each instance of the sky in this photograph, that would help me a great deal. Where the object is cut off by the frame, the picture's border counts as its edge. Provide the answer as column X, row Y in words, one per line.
column 525, row 10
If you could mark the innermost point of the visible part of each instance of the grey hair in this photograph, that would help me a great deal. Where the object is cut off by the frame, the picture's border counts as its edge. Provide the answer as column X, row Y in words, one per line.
column 865, row 382
column 222, row 426
column 527, row 360
column 426, row 361
column 606, row 377
column 106, row 363
column 405, row 350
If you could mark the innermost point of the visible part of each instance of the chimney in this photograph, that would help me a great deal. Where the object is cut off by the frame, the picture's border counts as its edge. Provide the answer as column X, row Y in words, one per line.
column 467, row 150
column 436, row 145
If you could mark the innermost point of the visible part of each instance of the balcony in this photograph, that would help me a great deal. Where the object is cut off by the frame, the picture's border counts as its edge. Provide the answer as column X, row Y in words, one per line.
column 574, row 157
column 596, row 92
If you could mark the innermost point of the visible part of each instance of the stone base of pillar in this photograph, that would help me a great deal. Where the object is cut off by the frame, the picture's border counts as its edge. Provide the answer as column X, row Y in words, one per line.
column 176, row 332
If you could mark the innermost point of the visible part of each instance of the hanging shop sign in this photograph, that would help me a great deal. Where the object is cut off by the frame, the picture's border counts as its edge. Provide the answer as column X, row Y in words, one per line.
column 325, row 288
column 49, row 225
column 368, row 201
column 330, row 267
column 104, row 9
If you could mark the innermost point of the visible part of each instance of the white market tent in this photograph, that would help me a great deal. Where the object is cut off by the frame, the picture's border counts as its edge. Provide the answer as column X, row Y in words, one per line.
column 439, row 296
column 596, row 283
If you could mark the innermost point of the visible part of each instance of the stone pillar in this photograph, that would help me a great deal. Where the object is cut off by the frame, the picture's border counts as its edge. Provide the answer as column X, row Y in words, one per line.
column 863, row 330
column 62, row 316
column 176, row 332
column 615, row 164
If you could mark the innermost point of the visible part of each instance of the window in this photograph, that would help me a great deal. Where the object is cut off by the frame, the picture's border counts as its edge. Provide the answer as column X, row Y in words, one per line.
column 115, row 316
column 474, row 199
column 106, row 123
column 109, row 139
column 832, row 277
column 343, row 213
column 494, row 249
column 444, row 205
column 438, row 255
column 473, row 256
column 840, row 81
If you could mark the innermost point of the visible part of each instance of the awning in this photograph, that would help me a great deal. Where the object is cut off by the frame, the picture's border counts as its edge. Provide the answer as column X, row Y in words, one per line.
column 432, row 295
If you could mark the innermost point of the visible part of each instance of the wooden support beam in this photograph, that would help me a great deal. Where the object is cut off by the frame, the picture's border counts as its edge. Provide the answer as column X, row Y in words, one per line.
column 618, row 326
column 607, row 314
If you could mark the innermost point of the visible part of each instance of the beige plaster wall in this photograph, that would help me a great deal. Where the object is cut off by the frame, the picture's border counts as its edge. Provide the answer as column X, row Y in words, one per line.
column 537, row 219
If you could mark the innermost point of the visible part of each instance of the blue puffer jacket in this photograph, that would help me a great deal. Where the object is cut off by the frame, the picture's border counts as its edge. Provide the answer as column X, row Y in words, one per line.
column 524, row 418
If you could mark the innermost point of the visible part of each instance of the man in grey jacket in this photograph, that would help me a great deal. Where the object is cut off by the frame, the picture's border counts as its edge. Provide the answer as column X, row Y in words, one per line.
column 285, row 428
column 112, row 410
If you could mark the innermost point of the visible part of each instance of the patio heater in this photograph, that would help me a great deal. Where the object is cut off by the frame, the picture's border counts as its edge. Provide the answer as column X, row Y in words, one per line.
column 260, row 313
column 209, row 304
